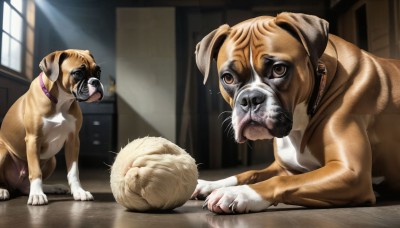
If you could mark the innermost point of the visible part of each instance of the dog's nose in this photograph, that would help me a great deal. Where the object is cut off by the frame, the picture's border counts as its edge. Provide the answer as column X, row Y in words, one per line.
column 251, row 100
column 94, row 82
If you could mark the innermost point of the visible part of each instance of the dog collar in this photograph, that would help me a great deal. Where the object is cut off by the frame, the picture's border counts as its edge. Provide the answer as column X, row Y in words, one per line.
column 45, row 91
column 317, row 94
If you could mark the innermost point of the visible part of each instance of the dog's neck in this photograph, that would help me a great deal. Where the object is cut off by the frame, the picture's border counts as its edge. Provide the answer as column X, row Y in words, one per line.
column 300, row 123
column 289, row 147
column 65, row 99
column 45, row 90
column 300, row 118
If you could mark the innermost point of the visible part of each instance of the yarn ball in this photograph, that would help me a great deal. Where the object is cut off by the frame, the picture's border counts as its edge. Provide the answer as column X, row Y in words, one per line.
column 153, row 173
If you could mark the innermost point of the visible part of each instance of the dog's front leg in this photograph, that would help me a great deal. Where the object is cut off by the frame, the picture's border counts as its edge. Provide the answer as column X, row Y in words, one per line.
column 71, row 158
column 332, row 185
column 204, row 188
column 36, row 194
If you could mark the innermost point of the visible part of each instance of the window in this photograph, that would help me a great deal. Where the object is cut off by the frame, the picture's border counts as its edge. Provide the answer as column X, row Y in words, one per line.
column 17, row 39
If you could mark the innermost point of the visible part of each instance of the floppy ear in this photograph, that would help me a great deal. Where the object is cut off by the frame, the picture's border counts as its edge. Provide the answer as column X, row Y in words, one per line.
column 312, row 31
column 207, row 49
column 50, row 64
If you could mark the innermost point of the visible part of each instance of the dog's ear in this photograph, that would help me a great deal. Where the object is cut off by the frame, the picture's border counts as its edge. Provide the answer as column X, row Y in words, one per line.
column 50, row 64
column 207, row 49
column 312, row 31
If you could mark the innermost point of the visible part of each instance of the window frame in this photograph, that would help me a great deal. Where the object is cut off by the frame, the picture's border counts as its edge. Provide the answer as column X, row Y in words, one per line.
column 24, row 48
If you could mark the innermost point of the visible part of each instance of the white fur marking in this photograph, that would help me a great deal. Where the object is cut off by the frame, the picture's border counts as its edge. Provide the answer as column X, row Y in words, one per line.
column 76, row 189
column 206, row 187
column 36, row 194
column 230, row 181
column 73, row 176
column 237, row 199
column 289, row 147
column 256, row 77
column 55, row 131
column 36, row 186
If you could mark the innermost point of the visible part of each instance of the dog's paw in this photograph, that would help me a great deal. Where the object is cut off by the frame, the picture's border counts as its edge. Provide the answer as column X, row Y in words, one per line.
column 237, row 199
column 82, row 195
column 37, row 199
column 4, row 194
column 204, row 188
column 55, row 189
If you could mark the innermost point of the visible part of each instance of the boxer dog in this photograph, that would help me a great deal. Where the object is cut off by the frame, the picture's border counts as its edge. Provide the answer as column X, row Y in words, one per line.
column 45, row 118
column 332, row 109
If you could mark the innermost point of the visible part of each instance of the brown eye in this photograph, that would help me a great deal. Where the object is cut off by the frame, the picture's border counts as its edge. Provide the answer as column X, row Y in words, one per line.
column 77, row 75
column 228, row 79
column 279, row 70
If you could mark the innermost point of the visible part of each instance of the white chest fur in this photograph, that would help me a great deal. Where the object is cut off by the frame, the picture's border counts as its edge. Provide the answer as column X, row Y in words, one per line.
column 288, row 148
column 55, row 131
column 289, row 154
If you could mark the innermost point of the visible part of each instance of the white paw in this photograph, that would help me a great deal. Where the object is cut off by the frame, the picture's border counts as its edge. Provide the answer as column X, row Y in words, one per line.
column 55, row 189
column 37, row 199
column 82, row 195
column 237, row 199
column 204, row 188
column 36, row 194
column 4, row 194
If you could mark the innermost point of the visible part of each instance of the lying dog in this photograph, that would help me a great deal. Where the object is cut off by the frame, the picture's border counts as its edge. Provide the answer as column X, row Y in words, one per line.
column 45, row 118
column 332, row 109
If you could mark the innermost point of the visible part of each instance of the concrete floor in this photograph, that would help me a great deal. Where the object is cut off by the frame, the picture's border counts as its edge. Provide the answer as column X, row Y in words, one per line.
column 63, row 211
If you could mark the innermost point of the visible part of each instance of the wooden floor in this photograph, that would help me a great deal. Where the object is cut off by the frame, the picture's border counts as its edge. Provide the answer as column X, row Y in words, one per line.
column 62, row 211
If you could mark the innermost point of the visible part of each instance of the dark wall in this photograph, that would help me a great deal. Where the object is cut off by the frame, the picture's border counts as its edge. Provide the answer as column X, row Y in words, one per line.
column 11, row 88
column 77, row 24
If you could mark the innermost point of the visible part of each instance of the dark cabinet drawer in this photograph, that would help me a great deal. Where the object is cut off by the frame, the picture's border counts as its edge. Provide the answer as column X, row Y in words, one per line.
column 98, row 133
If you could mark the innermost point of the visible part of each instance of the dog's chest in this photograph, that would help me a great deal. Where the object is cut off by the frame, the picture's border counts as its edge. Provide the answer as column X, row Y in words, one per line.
column 56, row 129
column 288, row 151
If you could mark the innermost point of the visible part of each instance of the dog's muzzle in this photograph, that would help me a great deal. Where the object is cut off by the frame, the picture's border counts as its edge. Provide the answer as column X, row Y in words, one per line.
column 258, row 115
column 90, row 90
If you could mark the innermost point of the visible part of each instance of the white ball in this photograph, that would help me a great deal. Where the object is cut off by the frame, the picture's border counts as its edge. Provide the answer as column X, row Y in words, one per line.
column 153, row 174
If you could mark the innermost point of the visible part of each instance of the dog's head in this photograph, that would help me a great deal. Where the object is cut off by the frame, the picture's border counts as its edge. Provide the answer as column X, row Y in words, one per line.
column 266, row 69
column 76, row 72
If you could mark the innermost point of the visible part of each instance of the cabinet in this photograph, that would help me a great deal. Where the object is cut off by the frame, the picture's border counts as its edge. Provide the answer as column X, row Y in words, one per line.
column 98, row 134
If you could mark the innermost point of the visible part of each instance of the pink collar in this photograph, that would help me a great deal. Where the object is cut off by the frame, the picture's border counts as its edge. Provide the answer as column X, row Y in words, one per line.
column 45, row 91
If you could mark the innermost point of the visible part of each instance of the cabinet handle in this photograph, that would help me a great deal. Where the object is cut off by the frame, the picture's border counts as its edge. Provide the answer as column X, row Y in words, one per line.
column 96, row 142
column 96, row 123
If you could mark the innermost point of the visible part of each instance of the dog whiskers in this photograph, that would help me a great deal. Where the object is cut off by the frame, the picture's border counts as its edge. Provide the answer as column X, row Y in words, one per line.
column 229, row 129
column 227, row 119
column 224, row 112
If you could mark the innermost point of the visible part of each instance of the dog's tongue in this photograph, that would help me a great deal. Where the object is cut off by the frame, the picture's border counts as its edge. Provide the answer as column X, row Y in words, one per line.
column 95, row 97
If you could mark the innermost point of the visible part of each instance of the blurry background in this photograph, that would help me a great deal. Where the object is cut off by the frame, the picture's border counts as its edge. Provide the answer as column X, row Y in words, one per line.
column 146, row 51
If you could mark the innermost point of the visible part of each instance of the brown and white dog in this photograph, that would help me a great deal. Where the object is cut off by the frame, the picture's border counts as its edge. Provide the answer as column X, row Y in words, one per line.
column 41, row 121
column 332, row 109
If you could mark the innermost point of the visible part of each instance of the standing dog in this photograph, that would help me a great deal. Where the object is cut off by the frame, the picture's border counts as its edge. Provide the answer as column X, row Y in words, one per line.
column 332, row 109
column 45, row 118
